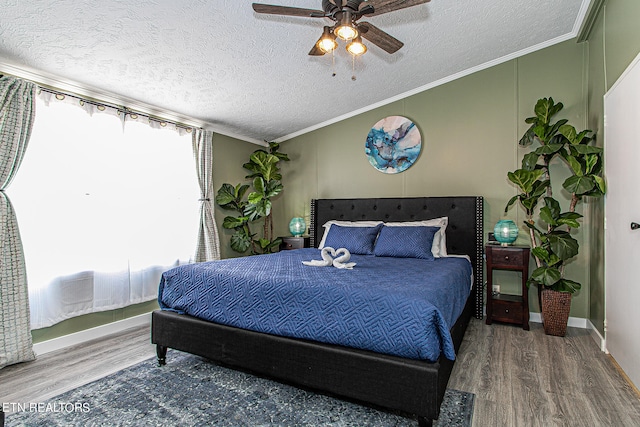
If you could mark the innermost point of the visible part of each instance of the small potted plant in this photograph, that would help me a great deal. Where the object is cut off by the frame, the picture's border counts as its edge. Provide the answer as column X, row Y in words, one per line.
column 552, row 244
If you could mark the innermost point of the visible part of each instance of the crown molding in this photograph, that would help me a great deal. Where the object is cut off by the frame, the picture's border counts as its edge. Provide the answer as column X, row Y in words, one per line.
column 434, row 84
column 590, row 16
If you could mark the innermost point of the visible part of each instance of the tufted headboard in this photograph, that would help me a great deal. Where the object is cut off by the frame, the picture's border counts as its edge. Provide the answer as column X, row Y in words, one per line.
column 464, row 232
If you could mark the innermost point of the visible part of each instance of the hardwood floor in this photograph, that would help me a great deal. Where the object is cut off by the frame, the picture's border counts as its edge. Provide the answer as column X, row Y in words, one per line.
column 520, row 378
column 527, row 378
column 59, row 371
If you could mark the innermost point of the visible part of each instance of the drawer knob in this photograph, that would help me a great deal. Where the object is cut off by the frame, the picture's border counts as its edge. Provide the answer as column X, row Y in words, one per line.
column 506, row 310
column 506, row 257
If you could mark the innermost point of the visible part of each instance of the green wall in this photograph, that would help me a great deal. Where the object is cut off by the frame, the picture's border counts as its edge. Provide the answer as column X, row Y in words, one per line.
column 470, row 129
column 229, row 155
column 613, row 44
column 88, row 321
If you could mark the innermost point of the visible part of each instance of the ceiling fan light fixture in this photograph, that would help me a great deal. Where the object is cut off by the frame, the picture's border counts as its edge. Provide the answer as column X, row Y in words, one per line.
column 347, row 29
column 346, row 32
column 327, row 43
column 356, row 47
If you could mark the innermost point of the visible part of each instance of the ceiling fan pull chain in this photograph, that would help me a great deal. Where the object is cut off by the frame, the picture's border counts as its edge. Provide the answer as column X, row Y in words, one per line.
column 353, row 67
column 333, row 63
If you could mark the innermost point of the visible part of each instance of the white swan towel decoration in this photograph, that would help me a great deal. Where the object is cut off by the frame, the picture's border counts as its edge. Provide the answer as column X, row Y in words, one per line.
column 342, row 255
column 327, row 255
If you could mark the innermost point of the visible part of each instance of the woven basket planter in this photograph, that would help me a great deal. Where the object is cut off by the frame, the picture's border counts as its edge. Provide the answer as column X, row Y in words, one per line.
column 555, row 312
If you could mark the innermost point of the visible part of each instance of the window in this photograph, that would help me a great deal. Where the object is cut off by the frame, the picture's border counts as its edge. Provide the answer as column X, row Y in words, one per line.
column 102, row 210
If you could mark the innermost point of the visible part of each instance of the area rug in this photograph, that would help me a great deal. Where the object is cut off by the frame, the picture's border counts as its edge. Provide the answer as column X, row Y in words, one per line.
column 191, row 391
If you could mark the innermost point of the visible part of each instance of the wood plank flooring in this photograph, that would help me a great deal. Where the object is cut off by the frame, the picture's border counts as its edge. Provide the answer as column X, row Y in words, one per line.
column 527, row 378
column 54, row 373
column 520, row 378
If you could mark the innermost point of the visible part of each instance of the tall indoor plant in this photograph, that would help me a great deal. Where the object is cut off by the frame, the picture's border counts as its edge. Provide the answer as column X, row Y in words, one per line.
column 553, row 246
column 265, row 179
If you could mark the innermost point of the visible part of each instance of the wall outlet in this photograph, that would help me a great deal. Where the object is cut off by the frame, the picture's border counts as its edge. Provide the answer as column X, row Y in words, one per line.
column 495, row 289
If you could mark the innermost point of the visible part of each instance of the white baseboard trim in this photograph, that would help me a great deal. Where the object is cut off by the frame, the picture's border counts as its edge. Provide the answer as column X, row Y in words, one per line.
column 574, row 322
column 578, row 322
column 91, row 334
column 597, row 337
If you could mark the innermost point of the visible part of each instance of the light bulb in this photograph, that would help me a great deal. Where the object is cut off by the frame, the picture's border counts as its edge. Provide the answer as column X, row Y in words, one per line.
column 347, row 29
column 327, row 45
column 356, row 47
column 346, row 32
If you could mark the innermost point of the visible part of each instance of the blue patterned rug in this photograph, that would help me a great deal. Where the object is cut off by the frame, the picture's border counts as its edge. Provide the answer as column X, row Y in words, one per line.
column 191, row 391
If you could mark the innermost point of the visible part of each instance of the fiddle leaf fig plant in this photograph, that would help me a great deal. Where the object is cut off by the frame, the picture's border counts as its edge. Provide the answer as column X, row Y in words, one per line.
column 550, row 232
column 266, row 184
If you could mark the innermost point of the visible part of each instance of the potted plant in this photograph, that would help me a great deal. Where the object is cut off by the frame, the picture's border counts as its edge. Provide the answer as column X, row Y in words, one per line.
column 552, row 244
column 266, row 182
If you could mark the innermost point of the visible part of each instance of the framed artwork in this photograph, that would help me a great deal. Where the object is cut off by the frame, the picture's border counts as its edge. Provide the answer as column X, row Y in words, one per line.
column 393, row 144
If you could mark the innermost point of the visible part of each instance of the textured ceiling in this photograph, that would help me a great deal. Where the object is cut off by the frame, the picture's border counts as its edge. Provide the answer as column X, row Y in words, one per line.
column 248, row 75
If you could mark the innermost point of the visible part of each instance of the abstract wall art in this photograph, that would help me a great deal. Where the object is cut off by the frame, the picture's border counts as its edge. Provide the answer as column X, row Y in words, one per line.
column 393, row 144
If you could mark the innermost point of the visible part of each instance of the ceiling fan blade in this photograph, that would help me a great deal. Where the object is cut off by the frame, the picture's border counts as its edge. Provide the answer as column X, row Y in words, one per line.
column 385, row 6
column 378, row 37
column 286, row 10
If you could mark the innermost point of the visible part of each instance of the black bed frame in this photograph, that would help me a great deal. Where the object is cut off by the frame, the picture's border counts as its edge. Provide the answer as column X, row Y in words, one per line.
column 411, row 387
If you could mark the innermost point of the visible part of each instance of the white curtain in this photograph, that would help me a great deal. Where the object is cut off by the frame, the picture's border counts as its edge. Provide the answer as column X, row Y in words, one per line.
column 208, row 248
column 104, row 211
column 17, row 111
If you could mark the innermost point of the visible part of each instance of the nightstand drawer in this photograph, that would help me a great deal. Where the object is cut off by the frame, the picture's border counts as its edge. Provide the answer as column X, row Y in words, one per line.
column 506, row 256
column 508, row 309
column 289, row 243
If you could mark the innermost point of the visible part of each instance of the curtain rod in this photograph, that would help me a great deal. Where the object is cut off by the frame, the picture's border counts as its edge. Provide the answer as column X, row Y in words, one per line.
column 53, row 82
column 120, row 108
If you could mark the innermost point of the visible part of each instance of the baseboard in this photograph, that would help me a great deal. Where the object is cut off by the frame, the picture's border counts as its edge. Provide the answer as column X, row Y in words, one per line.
column 574, row 322
column 91, row 334
column 597, row 337
column 578, row 322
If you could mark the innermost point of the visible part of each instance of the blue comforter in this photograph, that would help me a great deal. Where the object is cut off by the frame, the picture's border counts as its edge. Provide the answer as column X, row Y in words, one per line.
column 399, row 306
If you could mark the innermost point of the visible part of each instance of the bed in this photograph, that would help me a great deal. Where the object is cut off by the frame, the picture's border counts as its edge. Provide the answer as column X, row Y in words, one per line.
column 407, row 383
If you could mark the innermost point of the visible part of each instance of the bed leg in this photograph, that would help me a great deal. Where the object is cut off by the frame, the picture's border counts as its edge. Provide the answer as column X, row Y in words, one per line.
column 425, row 422
column 161, row 352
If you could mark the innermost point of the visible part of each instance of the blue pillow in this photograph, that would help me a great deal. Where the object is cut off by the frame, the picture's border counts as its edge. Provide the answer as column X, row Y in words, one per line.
column 357, row 240
column 406, row 242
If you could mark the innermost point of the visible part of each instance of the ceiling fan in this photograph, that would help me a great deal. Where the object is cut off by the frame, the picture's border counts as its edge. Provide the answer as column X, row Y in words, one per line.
column 345, row 14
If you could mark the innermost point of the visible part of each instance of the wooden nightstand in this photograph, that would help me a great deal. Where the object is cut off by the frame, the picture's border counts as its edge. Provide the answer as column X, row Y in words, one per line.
column 504, row 307
column 291, row 242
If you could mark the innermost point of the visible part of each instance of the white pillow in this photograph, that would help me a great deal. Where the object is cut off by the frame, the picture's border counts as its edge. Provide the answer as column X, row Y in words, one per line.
column 439, row 247
column 327, row 226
